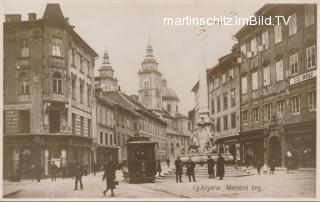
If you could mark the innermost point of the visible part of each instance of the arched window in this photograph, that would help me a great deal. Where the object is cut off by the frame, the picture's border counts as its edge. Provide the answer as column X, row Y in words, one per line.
column 24, row 84
column 56, row 78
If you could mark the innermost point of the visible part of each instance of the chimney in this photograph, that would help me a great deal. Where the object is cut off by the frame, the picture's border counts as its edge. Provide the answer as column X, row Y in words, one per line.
column 13, row 18
column 32, row 16
column 67, row 20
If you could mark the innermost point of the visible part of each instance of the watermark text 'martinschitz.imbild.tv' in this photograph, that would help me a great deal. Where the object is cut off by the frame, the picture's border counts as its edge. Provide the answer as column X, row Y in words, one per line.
column 225, row 21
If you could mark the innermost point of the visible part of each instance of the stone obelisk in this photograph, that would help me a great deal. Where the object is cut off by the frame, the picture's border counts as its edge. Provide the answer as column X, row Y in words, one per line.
column 203, row 121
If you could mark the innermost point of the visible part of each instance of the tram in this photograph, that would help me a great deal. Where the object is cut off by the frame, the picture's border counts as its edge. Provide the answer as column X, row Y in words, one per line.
column 140, row 166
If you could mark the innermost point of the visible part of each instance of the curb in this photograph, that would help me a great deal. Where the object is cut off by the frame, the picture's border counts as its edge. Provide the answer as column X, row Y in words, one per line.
column 10, row 194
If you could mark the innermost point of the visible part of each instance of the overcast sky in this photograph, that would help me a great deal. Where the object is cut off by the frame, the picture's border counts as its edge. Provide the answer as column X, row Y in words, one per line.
column 124, row 26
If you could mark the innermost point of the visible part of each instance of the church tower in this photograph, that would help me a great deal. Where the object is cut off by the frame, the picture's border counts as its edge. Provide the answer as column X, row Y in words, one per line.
column 150, row 82
column 106, row 80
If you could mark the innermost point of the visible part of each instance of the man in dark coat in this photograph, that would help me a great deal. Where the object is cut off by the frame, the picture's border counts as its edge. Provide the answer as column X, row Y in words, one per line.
column 220, row 167
column 158, row 167
column 38, row 172
column 258, row 164
column 190, row 169
column 211, row 164
column 110, row 176
column 78, row 173
column 33, row 172
column 54, row 170
column 178, row 164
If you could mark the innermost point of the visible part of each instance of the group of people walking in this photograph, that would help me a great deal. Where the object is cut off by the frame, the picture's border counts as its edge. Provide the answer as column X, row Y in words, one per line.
column 190, row 165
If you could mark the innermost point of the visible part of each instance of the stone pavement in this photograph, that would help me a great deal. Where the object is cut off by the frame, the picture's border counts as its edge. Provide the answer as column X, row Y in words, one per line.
column 299, row 184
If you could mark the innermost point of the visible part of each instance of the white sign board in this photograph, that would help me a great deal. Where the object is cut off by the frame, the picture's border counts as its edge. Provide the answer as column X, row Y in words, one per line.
column 303, row 77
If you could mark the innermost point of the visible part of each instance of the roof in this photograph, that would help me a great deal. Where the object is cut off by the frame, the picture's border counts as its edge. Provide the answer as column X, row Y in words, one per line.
column 130, row 104
column 169, row 93
column 196, row 86
column 53, row 14
column 224, row 59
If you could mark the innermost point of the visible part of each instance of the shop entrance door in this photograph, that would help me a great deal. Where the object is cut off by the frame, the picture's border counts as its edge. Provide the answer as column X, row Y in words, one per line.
column 275, row 150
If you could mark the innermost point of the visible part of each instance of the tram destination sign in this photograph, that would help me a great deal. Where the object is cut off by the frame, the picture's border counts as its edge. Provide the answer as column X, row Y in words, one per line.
column 303, row 77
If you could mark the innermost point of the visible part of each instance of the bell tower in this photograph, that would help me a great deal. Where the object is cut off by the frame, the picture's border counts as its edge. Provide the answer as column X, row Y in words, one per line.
column 150, row 82
column 107, row 81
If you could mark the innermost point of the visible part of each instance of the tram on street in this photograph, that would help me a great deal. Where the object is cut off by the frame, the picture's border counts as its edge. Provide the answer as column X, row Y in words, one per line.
column 140, row 166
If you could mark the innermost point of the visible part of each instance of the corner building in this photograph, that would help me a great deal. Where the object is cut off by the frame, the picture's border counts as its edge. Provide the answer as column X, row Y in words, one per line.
column 48, row 92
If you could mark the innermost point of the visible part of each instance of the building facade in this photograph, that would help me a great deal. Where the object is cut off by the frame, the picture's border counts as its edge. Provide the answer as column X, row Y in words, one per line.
column 278, row 86
column 48, row 92
column 224, row 103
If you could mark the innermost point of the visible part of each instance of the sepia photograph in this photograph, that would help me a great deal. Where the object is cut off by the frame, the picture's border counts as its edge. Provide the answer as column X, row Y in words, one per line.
column 159, row 100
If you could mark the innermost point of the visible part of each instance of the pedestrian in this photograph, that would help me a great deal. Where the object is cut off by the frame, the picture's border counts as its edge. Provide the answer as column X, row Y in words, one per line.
column 110, row 176
column 190, row 170
column 265, row 169
column 94, row 168
column 211, row 165
column 38, row 172
column 54, row 170
column 258, row 167
column 272, row 166
column 220, row 167
column 289, row 161
column 78, row 173
column 179, row 170
column 158, row 167
column 168, row 162
column 18, row 173
column 32, row 172
column 73, row 169
column 64, row 171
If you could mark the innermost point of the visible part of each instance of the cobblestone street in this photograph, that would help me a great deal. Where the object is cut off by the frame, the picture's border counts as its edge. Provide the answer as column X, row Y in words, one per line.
column 281, row 185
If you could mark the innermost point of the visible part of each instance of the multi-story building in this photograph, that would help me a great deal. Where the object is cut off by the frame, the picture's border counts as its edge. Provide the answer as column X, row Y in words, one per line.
column 278, row 85
column 104, row 136
column 48, row 91
column 121, row 118
column 143, row 122
column 224, row 103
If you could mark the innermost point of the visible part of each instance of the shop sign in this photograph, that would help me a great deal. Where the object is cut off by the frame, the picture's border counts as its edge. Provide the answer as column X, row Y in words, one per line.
column 303, row 77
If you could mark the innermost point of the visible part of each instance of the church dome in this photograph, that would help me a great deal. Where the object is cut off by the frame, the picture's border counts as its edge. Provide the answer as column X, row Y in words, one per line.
column 169, row 94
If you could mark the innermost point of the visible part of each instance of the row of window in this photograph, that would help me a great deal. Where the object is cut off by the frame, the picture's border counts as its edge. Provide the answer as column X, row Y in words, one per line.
column 81, row 89
column 125, row 122
column 224, row 101
column 279, row 70
column 105, row 116
column 74, row 123
column 221, row 79
column 250, row 49
column 56, row 47
column 152, row 127
column 226, row 122
column 78, row 61
column 108, row 139
column 280, row 112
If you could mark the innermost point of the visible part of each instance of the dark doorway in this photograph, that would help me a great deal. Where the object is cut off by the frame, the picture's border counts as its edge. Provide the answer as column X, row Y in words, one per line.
column 233, row 151
column 54, row 121
column 275, row 150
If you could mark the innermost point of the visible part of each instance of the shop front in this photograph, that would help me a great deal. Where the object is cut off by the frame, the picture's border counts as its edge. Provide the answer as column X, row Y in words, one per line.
column 22, row 152
column 230, row 144
column 301, row 141
column 104, row 153
column 251, row 147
